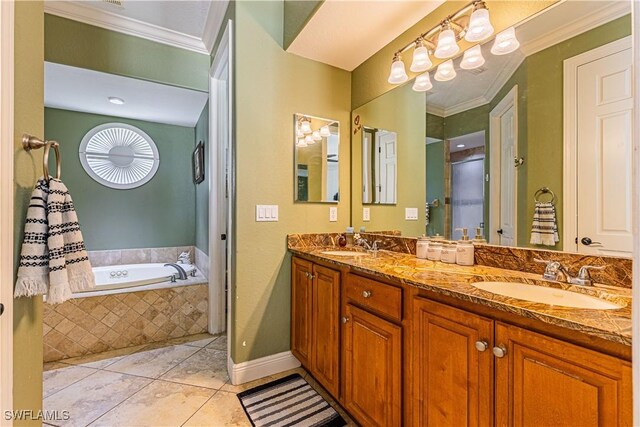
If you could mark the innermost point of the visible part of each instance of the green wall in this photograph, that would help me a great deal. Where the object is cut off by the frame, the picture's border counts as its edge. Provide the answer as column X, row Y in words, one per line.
column 435, row 186
column 270, row 86
column 29, row 118
column 296, row 15
column 158, row 214
column 85, row 46
column 401, row 111
column 202, row 189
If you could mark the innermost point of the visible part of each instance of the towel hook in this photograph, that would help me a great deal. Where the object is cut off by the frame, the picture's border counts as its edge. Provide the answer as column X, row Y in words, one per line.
column 30, row 142
column 544, row 190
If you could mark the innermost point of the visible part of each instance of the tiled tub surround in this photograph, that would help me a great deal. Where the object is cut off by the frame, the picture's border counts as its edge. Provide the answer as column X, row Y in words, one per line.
column 139, row 256
column 90, row 325
column 455, row 281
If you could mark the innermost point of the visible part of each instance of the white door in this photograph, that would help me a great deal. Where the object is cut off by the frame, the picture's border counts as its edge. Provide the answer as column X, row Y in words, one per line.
column 386, row 166
column 604, row 155
column 366, row 167
column 508, row 152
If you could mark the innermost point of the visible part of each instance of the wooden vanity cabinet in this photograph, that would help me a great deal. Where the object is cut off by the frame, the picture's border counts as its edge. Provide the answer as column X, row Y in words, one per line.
column 547, row 382
column 315, row 321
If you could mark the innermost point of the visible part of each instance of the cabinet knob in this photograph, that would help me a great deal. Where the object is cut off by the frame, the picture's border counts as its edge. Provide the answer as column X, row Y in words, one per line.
column 366, row 294
column 482, row 345
column 345, row 319
column 499, row 351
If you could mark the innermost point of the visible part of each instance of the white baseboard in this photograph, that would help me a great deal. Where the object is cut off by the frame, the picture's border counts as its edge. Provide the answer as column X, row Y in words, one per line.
column 244, row 372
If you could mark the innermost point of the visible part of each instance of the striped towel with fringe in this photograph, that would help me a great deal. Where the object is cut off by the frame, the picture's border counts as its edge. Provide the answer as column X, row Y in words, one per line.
column 53, row 260
column 544, row 230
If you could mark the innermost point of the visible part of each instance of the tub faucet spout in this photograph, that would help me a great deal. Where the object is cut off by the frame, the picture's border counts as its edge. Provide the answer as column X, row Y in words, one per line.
column 182, row 274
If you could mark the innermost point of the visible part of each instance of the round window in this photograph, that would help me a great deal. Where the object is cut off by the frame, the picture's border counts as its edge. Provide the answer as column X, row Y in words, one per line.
column 118, row 155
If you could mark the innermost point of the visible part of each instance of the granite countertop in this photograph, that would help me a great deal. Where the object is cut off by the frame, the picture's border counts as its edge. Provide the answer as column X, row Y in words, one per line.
column 455, row 281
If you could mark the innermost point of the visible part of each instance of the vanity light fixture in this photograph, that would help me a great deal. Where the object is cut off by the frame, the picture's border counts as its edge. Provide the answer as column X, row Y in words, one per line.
column 480, row 26
column 301, row 143
column 472, row 58
column 115, row 100
column 305, row 126
column 447, row 43
column 422, row 83
column 398, row 74
column 316, row 135
column 309, row 140
column 325, row 132
column 445, row 72
column 506, row 42
column 421, row 61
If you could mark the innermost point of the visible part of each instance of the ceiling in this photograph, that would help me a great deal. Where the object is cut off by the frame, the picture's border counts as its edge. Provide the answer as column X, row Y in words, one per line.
column 558, row 23
column 469, row 141
column 187, row 24
column 345, row 33
column 79, row 89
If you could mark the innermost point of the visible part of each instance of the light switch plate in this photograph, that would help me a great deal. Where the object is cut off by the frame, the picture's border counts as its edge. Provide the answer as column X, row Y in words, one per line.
column 266, row 213
column 366, row 214
column 333, row 214
column 411, row 214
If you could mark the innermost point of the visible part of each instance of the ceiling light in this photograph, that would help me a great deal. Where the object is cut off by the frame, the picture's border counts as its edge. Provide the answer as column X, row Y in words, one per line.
column 116, row 100
column 422, row 83
column 506, row 42
column 301, row 143
column 325, row 132
column 309, row 140
column 316, row 135
column 305, row 126
column 479, row 25
column 398, row 74
column 460, row 145
column 447, row 45
column 445, row 71
column 421, row 61
column 472, row 58
column 299, row 134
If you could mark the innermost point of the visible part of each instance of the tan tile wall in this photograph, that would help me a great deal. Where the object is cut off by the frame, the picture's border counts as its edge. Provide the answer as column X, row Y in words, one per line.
column 92, row 325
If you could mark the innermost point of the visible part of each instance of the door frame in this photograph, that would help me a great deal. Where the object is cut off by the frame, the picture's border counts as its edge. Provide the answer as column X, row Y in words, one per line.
column 220, row 267
column 495, row 139
column 6, row 203
column 570, row 120
column 635, row 309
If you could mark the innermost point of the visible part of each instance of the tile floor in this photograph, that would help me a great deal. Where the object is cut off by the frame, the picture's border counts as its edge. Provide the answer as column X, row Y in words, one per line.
column 182, row 382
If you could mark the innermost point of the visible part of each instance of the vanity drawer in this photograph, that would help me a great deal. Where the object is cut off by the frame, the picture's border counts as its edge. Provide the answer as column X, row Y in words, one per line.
column 375, row 296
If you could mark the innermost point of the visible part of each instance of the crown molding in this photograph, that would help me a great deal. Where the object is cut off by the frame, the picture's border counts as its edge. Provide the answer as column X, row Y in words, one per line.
column 436, row 110
column 598, row 17
column 213, row 24
column 133, row 27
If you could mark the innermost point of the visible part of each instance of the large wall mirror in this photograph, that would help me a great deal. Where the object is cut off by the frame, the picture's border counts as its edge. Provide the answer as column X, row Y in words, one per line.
column 547, row 125
column 316, row 164
column 379, row 166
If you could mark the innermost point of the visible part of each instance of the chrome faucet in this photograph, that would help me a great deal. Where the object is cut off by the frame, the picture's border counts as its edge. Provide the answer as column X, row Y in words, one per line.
column 554, row 270
column 184, row 258
column 360, row 241
column 182, row 274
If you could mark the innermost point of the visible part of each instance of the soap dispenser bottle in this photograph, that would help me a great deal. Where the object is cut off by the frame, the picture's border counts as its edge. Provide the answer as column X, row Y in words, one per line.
column 465, row 249
column 479, row 238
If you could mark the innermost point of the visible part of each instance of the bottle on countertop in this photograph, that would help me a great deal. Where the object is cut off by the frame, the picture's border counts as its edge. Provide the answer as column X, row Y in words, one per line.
column 422, row 246
column 349, row 236
column 465, row 249
column 479, row 238
column 342, row 240
column 449, row 253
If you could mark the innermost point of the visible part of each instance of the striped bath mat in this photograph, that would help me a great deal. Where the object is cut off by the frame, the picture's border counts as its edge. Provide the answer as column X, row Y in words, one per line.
column 289, row 401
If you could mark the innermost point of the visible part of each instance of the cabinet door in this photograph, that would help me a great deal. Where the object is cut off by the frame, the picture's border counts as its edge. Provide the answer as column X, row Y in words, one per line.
column 326, row 322
column 452, row 378
column 301, row 299
column 546, row 382
column 373, row 373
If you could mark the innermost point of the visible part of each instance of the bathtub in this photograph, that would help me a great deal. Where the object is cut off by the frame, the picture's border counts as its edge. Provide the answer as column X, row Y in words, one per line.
column 115, row 279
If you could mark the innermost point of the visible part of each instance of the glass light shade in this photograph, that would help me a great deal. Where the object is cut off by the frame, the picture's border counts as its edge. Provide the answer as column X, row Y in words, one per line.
column 305, row 127
column 479, row 26
column 301, row 143
column 309, row 140
column 447, row 45
column 398, row 74
column 506, row 42
column 299, row 134
column 422, row 83
column 445, row 71
column 316, row 135
column 472, row 58
column 324, row 131
column 421, row 61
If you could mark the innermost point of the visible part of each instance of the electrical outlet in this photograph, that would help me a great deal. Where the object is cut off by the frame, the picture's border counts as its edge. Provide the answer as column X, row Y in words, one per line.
column 333, row 214
column 411, row 214
column 266, row 213
column 366, row 214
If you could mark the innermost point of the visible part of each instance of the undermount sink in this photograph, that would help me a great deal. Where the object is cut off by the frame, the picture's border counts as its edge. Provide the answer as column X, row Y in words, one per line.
column 546, row 295
column 345, row 253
